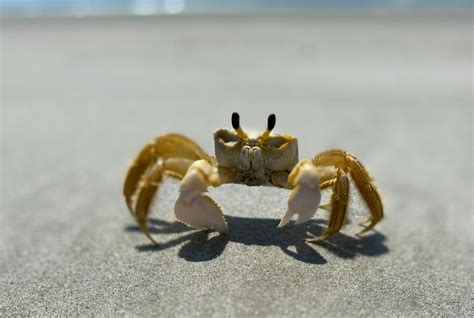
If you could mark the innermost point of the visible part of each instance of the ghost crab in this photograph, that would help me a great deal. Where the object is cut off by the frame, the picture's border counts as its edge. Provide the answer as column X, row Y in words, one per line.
column 262, row 160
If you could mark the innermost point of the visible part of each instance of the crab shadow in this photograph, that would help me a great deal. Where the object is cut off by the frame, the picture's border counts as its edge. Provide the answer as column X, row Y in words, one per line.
column 201, row 246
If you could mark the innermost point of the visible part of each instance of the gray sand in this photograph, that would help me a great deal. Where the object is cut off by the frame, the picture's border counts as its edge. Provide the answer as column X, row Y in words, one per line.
column 80, row 97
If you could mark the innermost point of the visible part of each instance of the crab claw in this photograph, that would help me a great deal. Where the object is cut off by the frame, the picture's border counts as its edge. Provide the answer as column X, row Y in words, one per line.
column 193, row 207
column 305, row 196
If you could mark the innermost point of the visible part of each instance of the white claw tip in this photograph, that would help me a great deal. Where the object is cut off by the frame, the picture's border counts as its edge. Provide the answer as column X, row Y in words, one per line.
column 281, row 224
column 286, row 219
column 221, row 228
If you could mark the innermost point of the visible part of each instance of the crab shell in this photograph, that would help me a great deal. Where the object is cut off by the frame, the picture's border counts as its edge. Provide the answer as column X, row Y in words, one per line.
column 254, row 159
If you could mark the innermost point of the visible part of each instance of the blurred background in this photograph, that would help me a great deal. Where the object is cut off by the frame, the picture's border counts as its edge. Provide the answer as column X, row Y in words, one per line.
column 149, row 7
column 85, row 84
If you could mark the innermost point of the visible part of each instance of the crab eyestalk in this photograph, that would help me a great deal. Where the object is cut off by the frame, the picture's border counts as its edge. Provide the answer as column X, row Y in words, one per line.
column 236, row 125
column 270, row 125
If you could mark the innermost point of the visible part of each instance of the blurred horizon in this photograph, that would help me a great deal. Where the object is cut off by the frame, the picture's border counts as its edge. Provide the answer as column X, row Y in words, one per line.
column 33, row 8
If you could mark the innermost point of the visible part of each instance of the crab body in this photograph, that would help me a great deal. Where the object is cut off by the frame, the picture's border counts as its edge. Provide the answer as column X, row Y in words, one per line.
column 253, row 160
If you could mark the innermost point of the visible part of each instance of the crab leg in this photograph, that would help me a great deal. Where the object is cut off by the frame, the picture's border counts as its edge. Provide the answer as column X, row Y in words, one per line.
column 193, row 207
column 175, row 167
column 170, row 154
column 164, row 147
column 339, row 201
column 364, row 182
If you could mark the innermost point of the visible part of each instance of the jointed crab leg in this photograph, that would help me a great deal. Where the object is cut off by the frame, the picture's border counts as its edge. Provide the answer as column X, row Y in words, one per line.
column 364, row 182
column 170, row 154
column 339, row 201
column 175, row 167
column 330, row 169
column 166, row 146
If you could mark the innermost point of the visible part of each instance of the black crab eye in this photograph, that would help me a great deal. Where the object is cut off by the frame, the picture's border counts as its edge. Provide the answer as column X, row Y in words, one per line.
column 271, row 122
column 235, row 120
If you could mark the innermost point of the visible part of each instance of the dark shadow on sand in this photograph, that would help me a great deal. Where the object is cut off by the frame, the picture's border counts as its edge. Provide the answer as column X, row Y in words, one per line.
column 201, row 246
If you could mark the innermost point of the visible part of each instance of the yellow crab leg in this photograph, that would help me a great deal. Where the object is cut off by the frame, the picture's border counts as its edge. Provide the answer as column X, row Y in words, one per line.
column 339, row 201
column 175, row 167
column 166, row 146
column 363, row 181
